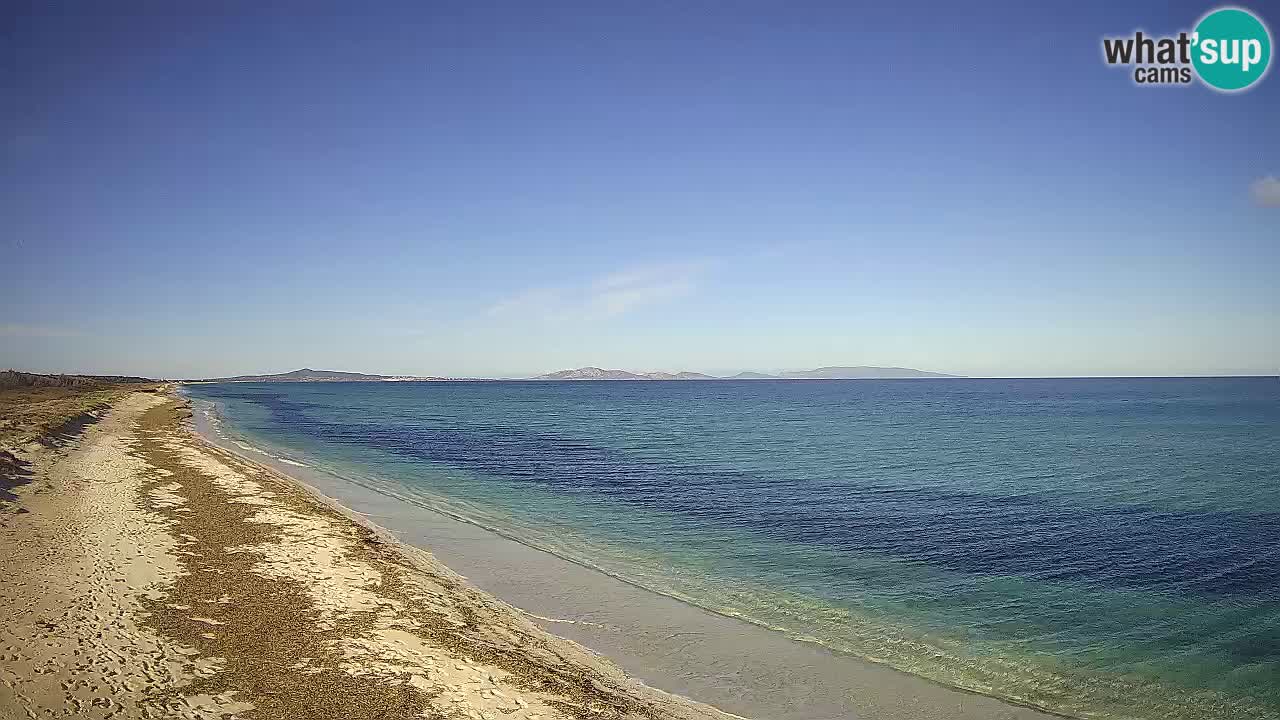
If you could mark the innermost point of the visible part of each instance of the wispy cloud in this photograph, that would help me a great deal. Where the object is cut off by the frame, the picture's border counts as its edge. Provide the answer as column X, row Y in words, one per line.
column 605, row 296
column 37, row 331
column 536, row 300
column 1266, row 191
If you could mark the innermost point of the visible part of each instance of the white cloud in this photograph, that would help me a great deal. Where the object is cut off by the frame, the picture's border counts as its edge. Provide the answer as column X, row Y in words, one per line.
column 534, row 301
column 606, row 296
column 37, row 331
column 619, row 300
column 1266, row 191
column 649, row 274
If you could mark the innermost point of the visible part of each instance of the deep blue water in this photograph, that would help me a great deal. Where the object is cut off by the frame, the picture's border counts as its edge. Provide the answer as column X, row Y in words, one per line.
column 1097, row 547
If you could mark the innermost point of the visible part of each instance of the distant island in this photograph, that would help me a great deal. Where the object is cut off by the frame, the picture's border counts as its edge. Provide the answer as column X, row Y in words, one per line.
column 858, row 372
column 595, row 373
column 309, row 375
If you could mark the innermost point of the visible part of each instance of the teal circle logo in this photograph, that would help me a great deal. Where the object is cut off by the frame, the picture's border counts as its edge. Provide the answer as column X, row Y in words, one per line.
column 1231, row 49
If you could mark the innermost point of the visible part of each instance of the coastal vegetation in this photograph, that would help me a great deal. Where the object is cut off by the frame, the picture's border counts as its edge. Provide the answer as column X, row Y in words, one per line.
column 37, row 407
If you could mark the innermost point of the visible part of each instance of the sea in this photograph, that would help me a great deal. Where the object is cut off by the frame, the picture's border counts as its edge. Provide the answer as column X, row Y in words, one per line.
column 1096, row 548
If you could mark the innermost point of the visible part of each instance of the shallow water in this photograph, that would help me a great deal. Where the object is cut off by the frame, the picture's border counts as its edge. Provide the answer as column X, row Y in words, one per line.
column 1102, row 548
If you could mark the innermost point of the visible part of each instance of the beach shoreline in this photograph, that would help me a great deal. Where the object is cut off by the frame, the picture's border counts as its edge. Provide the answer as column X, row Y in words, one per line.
column 739, row 666
column 156, row 575
column 160, row 571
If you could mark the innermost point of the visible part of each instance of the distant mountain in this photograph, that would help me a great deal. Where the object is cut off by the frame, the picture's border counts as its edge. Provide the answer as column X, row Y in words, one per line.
column 592, row 373
column 686, row 375
column 309, row 375
column 824, row 373
column 595, row 373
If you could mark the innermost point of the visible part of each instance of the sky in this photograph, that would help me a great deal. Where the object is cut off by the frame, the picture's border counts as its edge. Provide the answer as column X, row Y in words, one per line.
column 508, row 188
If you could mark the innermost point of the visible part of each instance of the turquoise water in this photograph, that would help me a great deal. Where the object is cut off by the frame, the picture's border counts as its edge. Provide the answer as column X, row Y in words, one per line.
column 1096, row 547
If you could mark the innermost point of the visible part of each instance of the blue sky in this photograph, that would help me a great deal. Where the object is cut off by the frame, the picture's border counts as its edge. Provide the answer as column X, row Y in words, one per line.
column 509, row 188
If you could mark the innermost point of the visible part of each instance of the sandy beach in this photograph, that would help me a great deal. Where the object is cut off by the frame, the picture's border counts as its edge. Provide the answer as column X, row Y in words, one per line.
column 732, row 664
column 156, row 573
column 151, row 574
